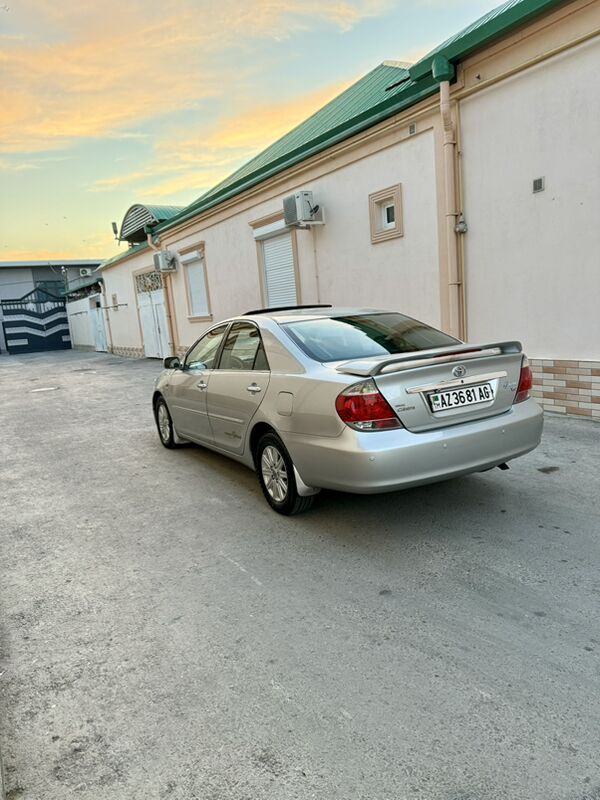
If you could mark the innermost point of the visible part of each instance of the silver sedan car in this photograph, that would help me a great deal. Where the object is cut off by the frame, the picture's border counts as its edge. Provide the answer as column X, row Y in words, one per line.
column 349, row 399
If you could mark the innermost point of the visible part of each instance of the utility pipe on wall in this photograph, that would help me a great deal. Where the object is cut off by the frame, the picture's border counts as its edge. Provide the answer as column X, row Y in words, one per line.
column 443, row 71
column 316, row 261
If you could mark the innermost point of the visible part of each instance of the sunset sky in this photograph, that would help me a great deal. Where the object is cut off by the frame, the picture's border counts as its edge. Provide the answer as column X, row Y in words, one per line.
column 105, row 104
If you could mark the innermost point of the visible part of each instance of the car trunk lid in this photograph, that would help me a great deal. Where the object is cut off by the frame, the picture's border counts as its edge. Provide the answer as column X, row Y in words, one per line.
column 446, row 386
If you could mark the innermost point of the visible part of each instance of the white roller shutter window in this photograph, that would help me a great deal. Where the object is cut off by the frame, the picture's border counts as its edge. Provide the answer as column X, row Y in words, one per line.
column 280, row 276
column 197, row 284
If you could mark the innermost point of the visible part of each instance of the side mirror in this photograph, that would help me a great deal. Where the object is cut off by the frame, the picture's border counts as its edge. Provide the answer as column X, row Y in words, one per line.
column 171, row 362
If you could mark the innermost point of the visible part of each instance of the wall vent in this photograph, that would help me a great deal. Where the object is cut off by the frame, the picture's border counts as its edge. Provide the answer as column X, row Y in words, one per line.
column 412, row 128
column 539, row 184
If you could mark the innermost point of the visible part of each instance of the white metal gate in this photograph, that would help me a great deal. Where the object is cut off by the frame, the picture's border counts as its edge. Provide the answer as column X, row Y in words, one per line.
column 98, row 329
column 153, row 315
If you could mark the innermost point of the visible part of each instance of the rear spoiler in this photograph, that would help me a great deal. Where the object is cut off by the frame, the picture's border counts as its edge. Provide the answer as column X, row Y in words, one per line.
column 369, row 367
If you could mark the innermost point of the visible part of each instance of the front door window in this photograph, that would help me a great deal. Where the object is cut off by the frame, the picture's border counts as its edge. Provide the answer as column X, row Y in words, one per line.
column 204, row 353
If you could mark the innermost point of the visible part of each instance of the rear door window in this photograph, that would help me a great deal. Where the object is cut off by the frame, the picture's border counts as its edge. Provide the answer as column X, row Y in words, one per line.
column 243, row 349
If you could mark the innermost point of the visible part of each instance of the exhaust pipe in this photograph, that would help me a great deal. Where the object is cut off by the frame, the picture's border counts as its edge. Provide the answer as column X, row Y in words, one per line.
column 503, row 466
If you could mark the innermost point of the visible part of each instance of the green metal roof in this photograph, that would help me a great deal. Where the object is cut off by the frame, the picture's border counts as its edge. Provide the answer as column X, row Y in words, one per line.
column 361, row 106
column 361, row 97
column 366, row 103
column 496, row 23
column 138, row 248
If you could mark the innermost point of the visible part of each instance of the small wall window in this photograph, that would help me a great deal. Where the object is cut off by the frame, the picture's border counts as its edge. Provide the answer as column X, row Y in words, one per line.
column 389, row 216
column 196, row 284
column 385, row 214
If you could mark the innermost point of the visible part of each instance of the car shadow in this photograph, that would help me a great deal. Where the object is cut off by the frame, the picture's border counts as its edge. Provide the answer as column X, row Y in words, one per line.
column 460, row 506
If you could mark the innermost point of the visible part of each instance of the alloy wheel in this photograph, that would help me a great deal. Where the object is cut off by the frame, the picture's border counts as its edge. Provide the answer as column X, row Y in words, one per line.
column 164, row 423
column 274, row 473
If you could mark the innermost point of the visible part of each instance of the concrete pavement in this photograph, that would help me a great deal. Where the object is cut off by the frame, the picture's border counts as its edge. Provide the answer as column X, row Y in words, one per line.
column 164, row 634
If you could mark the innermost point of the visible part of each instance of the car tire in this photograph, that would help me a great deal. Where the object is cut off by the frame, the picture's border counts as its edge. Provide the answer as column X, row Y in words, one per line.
column 276, row 477
column 164, row 424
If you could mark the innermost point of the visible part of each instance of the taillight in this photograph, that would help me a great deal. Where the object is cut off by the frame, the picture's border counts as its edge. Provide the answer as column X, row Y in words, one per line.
column 363, row 407
column 525, row 382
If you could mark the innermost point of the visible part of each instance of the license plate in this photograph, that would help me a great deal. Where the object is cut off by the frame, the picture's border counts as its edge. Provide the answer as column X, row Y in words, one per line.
column 458, row 398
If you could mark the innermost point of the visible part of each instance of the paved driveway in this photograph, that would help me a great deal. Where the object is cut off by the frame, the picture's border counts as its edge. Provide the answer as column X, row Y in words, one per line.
column 165, row 635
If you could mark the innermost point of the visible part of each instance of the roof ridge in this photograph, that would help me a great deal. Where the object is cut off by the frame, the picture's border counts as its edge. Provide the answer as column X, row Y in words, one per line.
column 392, row 62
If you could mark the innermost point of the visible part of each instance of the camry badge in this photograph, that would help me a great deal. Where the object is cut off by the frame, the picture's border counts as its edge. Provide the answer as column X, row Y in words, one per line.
column 459, row 371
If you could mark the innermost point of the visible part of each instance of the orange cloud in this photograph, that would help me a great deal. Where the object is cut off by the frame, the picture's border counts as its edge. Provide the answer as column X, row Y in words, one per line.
column 79, row 71
column 199, row 162
column 105, row 69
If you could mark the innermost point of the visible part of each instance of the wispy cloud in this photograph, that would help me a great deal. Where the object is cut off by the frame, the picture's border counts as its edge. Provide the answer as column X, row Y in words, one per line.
column 16, row 166
column 183, row 162
column 103, row 74
column 117, row 80
column 13, row 162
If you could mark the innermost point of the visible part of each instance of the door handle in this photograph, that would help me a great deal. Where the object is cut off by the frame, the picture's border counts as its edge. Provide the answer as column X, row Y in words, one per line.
column 202, row 385
column 253, row 388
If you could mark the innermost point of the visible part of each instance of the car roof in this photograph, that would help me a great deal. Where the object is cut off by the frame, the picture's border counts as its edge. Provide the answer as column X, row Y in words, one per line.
column 284, row 315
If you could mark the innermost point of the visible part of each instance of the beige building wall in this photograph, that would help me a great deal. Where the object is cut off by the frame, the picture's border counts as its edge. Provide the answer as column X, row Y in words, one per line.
column 531, row 258
column 123, row 329
column 398, row 273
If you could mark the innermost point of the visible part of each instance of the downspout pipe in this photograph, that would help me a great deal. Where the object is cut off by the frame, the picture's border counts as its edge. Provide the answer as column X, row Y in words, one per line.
column 150, row 239
column 443, row 72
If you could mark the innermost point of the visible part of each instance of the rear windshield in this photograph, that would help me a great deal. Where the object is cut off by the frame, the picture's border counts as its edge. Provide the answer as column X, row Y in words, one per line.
column 364, row 335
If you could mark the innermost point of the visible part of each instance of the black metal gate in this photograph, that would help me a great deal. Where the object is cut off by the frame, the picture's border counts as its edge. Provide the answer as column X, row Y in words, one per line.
column 38, row 321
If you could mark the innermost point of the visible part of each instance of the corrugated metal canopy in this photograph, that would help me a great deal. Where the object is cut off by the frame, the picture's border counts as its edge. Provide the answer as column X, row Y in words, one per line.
column 138, row 216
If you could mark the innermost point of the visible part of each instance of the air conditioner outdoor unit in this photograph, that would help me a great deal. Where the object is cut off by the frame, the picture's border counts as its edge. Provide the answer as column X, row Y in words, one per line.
column 165, row 261
column 300, row 210
column 85, row 272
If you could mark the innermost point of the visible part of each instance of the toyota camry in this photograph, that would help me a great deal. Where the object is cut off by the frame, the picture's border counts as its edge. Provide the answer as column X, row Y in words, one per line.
column 357, row 400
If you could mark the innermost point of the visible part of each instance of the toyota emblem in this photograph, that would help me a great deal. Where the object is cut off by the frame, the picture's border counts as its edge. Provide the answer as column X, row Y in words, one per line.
column 459, row 371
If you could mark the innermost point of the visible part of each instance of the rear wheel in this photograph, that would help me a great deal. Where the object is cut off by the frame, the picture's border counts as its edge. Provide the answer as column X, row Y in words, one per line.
column 164, row 423
column 276, row 477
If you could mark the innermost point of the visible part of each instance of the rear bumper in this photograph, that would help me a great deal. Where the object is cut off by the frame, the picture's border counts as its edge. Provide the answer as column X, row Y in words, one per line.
column 383, row 461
